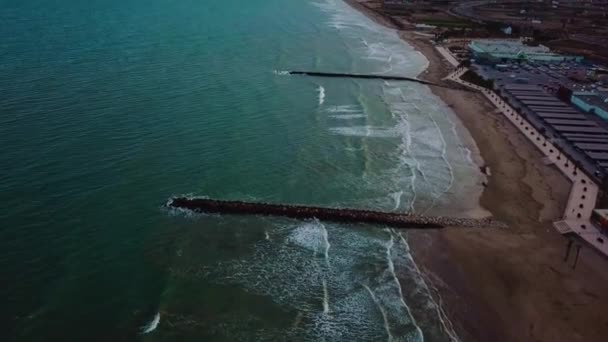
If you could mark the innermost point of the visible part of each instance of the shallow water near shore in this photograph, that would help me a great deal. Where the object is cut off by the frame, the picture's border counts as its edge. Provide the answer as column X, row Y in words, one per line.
column 111, row 108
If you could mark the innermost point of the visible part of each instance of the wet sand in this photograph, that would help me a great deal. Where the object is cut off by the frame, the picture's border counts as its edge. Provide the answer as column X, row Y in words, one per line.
column 508, row 285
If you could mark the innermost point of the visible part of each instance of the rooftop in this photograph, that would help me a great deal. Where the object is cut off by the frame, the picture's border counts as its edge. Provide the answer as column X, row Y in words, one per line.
column 594, row 99
column 514, row 49
column 506, row 46
column 573, row 131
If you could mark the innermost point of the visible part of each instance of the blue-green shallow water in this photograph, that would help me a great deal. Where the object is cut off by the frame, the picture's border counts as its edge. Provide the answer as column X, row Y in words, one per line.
column 109, row 108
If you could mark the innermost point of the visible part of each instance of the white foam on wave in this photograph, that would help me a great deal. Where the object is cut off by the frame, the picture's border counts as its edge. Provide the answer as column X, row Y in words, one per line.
column 331, row 305
column 325, row 298
column 407, row 158
column 424, row 144
column 321, row 91
column 391, row 268
column 353, row 149
column 151, row 326
column 366, row 131
column 371, row 41
column 310, row 236
column 382, row 312
column 344, row 109
column 327, row 244
column 447, row 325
column 396, row 196
column 348, row 116
column 468, row 155
column 174, row 211
column 281, row 72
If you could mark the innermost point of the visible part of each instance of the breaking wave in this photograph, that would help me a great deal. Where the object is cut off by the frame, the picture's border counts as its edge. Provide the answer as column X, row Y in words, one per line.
column 344, row 109
column 321, row 91
column 151, row 326
column 332, row 300
column 348, row 116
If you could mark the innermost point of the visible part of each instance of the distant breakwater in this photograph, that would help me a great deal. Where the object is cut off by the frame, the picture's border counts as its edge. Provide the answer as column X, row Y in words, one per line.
column 345, row 215
column 367, row 76
column 371, row 76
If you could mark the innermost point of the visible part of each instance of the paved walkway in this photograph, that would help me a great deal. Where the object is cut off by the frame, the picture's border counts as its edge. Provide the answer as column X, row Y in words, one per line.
column 447, row 55
column 584, row 191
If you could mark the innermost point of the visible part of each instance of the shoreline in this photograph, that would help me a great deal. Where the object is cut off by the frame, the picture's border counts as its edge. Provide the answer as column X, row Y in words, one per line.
column 506, row 285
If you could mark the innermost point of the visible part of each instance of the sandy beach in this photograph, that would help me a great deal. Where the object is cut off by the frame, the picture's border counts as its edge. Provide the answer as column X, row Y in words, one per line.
column 513, row 284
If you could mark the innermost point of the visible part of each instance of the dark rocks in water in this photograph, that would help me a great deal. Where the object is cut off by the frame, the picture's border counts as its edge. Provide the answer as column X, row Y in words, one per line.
column 375, row 77
column 406, row 221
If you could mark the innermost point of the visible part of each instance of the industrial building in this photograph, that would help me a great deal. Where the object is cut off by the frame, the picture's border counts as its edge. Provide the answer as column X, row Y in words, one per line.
column 498, row 51
column 591, row 103
column 573, row 132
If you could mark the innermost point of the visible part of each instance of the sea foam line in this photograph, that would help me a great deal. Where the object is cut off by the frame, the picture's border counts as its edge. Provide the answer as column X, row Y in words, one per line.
column 418, row 165
column 382, row 312
column 347, row 116
column 325, row 298
column 397, row 198
column 391, row 268
column 344, row 109
column 445, row 159
column 408, row 144
column 321, row 91
column 327, row 244
column 443, row 317
column 152, row 324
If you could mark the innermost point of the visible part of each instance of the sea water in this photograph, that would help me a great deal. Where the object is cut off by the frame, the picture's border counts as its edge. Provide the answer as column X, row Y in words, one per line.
column 109, row 108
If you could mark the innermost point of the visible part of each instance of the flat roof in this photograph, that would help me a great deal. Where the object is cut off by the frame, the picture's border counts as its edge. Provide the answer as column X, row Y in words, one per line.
column 592, row 147
column 555, row 110
column 598, row 155
column 578, row 129
column 581, row 123
column 584, row 135
column 539, row 99
column 535, row 97
column 562, row 116
column 522, row 86
column 527, row 93
column 545, row 104
column 534, row 90
column 590, row 139
column 593, row 99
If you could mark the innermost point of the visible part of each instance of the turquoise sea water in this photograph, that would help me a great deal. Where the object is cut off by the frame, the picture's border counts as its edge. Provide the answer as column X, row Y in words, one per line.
column 109, row 108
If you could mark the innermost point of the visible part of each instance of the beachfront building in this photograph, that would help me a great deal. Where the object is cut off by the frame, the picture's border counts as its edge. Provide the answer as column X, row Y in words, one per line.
column 591, row 103
column 500, row 51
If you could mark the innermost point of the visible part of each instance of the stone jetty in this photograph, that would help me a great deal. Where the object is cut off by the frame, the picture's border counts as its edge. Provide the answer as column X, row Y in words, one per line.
column 365, row 76
column 346, row 215
column 376, row 77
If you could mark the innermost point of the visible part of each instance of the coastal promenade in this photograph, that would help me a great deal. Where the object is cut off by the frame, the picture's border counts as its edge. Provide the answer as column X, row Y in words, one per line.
column 583, row 193
column 447, row 55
